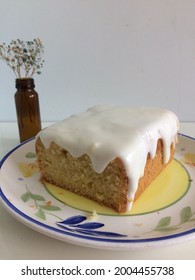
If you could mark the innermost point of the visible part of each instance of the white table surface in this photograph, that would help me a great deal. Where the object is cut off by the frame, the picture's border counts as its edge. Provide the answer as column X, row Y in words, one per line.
column 17, row 241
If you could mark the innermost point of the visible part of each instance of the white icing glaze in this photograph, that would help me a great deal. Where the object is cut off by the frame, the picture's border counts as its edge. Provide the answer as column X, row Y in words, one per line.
column 106, row 132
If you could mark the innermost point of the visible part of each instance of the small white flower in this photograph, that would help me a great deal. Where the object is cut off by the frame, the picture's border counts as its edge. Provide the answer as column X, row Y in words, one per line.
column 25, row 58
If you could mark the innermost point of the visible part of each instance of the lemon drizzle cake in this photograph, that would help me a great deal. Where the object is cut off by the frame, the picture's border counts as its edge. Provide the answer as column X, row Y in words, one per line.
column 108, row 153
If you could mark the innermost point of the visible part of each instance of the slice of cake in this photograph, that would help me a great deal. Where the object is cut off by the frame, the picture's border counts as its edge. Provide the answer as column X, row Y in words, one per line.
column 109, row 154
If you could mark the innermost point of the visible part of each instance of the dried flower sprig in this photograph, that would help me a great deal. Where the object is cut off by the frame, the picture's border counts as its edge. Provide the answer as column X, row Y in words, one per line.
column 24, row 58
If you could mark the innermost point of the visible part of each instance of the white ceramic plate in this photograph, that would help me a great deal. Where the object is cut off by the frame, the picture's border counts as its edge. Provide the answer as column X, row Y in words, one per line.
column 37, row 207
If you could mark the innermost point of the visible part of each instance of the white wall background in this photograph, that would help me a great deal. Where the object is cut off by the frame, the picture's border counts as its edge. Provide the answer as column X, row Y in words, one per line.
column 135, row 52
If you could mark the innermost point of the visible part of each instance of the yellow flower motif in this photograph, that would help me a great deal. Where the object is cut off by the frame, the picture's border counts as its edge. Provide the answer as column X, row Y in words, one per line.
column 189, row 159
column 28, row 169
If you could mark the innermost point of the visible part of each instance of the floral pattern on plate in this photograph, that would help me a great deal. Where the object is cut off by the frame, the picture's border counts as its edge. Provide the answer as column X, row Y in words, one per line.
column 24, row 197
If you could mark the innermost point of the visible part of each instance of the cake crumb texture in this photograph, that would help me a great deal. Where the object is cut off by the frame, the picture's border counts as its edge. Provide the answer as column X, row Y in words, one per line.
column 109, row 188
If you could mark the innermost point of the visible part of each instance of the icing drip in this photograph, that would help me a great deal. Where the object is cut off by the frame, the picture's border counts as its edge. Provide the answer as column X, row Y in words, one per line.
column 106, row 132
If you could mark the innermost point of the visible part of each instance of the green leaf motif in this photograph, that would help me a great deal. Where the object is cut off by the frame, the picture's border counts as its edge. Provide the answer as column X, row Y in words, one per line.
column 26, row 196
column 37, row 197
column 50, row 207
column 167, row 229
column 30, row 155
column 40, row 214
column 185, row 214
column 164, row 222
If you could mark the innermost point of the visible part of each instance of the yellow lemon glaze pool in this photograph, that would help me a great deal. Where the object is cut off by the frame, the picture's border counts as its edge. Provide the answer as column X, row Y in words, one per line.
column 170, row 186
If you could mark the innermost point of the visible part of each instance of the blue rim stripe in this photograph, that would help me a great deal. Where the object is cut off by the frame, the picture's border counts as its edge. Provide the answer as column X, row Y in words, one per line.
column 14, row 149
column 186, row 136
column 15, row 209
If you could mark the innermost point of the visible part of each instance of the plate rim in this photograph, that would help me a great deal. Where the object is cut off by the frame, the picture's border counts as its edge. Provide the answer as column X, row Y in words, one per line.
column 74, row 238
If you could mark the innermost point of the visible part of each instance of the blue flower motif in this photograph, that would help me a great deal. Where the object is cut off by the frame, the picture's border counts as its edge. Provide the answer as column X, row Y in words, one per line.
column 75, row 224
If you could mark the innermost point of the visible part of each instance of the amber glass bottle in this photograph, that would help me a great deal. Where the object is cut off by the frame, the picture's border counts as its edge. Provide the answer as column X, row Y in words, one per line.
column 27, row 108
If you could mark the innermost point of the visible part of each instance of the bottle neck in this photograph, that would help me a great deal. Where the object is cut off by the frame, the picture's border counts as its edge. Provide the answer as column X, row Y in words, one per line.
column 25, row 83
